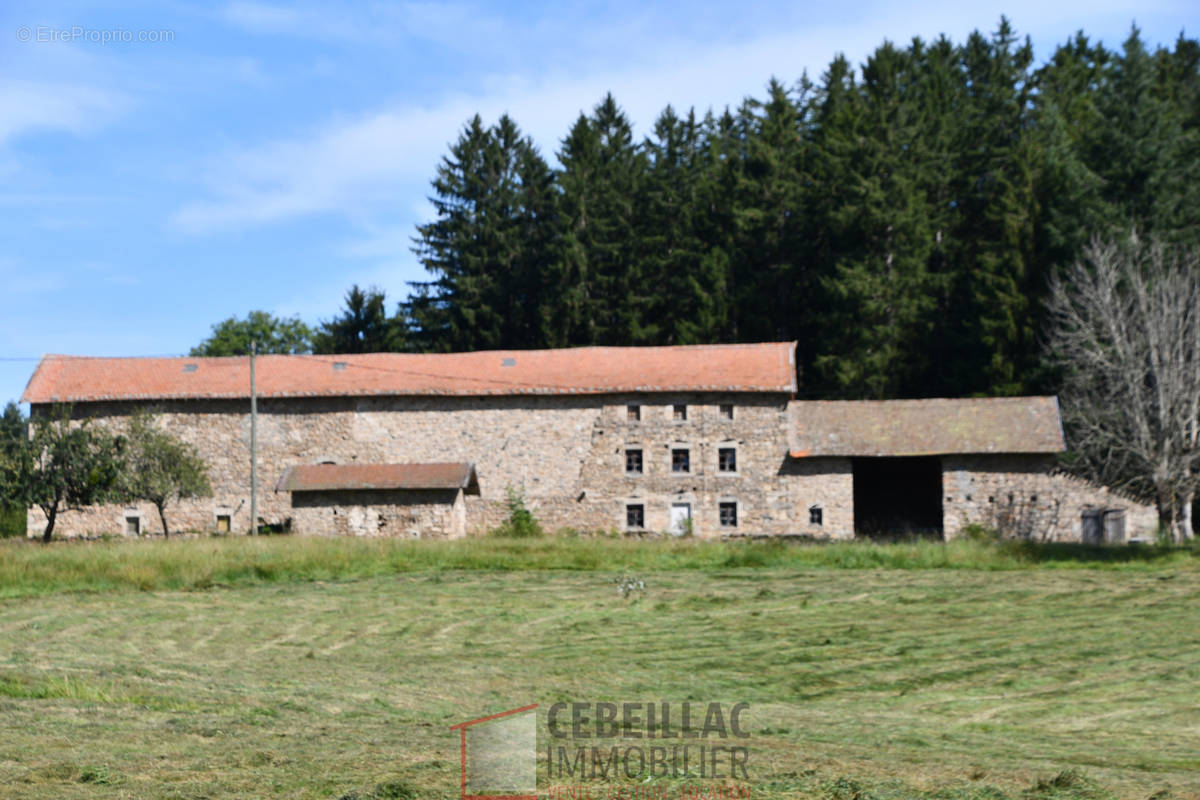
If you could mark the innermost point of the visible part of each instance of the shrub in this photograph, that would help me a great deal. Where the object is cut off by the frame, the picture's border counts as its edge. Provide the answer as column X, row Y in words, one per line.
column 687, row 528
column 521, row 523
column 978, row 532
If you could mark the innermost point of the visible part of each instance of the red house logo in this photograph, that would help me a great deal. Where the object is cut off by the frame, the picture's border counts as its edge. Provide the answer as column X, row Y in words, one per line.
column 499, row 755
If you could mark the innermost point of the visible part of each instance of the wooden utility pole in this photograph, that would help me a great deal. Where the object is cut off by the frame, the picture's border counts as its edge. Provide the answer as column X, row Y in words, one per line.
column 253, row 447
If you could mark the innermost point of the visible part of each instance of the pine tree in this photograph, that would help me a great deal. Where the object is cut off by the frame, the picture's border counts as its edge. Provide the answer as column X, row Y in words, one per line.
column 363, row 327
column 869, row 143
column 1179, row 88
column 1136, row 151
column 687, row 271
column 605, row 297
column 490, row 245
column 997, row 282
column 772, row 283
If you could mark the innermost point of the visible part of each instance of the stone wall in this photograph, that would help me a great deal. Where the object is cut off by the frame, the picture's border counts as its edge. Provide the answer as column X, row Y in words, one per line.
column 824, row 483
column 1022, row 496
column 755, row 434
column 566, row 453
column 427, row 514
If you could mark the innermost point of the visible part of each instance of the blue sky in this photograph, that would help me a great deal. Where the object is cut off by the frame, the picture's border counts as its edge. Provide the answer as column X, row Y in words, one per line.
column 258, row 155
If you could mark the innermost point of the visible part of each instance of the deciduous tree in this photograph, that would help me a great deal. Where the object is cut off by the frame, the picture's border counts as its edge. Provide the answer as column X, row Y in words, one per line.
column 232, row 337
column 64, row 465
column 1125, row 330
column 160, row 468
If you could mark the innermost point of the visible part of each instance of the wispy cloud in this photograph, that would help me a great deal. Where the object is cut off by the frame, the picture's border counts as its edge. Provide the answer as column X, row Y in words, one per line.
column 449, row 23
column 345, row 167
column 19, row 281
column 349, row 166
column 357, row 166
column 31, row 106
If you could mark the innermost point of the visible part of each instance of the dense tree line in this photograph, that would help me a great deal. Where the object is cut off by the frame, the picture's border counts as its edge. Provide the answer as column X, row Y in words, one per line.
column 900, row 221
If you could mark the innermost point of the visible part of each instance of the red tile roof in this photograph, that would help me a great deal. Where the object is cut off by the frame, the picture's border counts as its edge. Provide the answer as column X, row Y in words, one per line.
column 585, row 370
column 925, row 427
column 324, row 477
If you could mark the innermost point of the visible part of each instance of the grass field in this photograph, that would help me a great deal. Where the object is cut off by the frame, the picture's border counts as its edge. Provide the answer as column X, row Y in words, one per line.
column 331, row 669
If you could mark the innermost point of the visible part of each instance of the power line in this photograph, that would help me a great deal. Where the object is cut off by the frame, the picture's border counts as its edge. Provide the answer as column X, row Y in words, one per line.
column 86, row 358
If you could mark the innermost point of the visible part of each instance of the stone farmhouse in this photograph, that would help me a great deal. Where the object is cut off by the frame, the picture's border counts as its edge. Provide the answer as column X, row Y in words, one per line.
column 705, row 440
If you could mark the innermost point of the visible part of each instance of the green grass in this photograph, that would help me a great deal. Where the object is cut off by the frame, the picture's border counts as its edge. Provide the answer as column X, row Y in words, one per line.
column 276, row 680
column 27, row 568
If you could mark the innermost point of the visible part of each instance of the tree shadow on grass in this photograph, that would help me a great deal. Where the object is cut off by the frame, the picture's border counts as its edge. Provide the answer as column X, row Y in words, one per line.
column 1072, row 552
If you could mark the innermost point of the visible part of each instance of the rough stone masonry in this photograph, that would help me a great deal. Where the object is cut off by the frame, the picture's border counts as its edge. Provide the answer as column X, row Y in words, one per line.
column 703, row 440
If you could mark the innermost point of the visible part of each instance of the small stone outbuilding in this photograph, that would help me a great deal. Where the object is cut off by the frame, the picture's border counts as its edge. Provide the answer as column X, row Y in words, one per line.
column 411, row 500
column 935, row 466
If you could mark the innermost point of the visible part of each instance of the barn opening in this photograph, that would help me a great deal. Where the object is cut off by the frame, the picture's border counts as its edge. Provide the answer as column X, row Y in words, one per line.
column 898, row 497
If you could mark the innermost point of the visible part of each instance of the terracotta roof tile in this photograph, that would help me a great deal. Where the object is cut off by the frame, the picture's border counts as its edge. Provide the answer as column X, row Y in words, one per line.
column 925, row 427
column 585, row 370
column 325, row 477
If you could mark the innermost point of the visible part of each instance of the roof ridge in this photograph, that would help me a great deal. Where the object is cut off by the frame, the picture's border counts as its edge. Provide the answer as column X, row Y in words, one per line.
column 738, row 367
column 459, row 353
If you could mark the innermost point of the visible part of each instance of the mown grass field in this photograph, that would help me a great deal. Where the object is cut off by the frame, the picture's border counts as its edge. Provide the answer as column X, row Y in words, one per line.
column 330, row 669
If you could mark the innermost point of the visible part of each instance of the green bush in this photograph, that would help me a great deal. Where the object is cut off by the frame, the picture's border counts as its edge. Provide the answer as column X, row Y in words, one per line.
column 521, row 523
column 977, row 532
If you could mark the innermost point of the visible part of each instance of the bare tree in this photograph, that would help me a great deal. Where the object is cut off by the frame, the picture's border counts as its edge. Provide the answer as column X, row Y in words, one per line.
column 1125, row 329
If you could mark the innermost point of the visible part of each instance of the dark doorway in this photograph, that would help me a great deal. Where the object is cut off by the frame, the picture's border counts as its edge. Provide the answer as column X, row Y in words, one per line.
column 898, row 498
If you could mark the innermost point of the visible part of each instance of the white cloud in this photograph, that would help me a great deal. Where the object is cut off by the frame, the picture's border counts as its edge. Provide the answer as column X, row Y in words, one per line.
column 263, row 17
column 30, row 106
column 453, row 24
column 360, row 166
column 346, row 167
column 18, row 281
column 349, row 166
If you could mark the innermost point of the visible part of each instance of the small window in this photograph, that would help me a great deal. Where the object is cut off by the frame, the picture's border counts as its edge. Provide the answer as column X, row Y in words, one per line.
column 679, row 412
column 816, row 516
column 728, row 515
column 727, row 459
column 633, row 413
column 681, row 460
column 633, row 461
column 727, row 411
column 133, row 526
column 224, row 523
column 635, row 516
